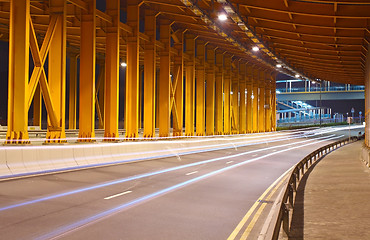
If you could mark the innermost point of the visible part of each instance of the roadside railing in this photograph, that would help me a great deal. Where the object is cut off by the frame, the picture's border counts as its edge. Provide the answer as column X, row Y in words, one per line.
column 284, row 218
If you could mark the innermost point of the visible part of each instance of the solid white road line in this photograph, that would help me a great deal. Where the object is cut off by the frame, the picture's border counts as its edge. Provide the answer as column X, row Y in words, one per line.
column 117, row 195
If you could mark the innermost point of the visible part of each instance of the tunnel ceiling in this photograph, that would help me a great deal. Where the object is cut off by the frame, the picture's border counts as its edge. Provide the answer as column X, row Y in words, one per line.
column 318, row 39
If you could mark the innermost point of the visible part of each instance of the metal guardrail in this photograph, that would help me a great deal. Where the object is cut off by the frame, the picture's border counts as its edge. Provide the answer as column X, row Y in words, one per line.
column 285, row 214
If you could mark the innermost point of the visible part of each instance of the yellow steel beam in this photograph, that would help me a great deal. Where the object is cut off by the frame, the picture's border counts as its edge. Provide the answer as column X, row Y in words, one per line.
column 39, row 55
column 87, row 74
column 72, row 91
column 210, row 91
column 99, row 95
column 132, row 71
column 150, row 75
column 57, row 72
column 164, row 80
column 219, row 103
column 37, row 107
column 111, row 89
column 200, row 89
column 19, row 30
column 178, row 92
column 227, row 90
column 189, row 85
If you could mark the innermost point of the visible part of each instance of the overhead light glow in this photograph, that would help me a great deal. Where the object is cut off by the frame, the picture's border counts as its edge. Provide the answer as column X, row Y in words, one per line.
column 123, row 64
column 278, row 65
column 297, row 76
column 222, row 17
column 255, row 48
column 252, row 96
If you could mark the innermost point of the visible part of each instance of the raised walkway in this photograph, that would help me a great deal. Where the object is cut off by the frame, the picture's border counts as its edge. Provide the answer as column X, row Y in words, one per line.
column 333, row 199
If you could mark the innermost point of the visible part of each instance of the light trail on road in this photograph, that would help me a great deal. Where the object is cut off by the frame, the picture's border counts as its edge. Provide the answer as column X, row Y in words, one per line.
column 90, row 220
column 150, row 174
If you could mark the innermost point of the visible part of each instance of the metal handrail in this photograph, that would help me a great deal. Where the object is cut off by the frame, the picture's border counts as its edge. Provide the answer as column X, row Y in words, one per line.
column 287, row 204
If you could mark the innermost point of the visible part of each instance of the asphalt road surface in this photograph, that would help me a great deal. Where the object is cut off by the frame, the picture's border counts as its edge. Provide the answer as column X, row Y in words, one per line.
column 197, row 196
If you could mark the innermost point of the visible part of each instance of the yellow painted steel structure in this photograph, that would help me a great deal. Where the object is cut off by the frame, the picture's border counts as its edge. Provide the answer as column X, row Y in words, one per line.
column 192, row 82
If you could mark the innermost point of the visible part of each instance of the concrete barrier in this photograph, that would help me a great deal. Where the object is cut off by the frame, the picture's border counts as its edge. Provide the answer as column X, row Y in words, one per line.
column 28, row 160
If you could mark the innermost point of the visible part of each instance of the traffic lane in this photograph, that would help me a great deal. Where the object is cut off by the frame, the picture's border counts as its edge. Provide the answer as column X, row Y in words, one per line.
column 91, row 197
column 57, row 183
column 209, row 209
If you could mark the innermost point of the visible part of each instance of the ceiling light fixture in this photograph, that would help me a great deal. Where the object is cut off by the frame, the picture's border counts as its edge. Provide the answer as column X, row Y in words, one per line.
column 222, row 17
column 255, row 48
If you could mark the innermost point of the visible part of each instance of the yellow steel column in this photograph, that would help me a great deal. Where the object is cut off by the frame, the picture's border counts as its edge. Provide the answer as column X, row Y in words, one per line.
column 219, row 102
column 273, row 101
column 189, row 85
column 164, row 108
column 37, row 107
column 261, row 101
column 243, row 100
column 255, row 99
column 57, row 70
column 249, row 86
column 200, row 91
column 178, row 112
column 235, row 97
column 112, row 64
column 210, row 94
column 149, row 75
column 132, row 71
column 19, row 34
column 72, row 91
column 87, row 74
column 227, row 90
column 268, row 102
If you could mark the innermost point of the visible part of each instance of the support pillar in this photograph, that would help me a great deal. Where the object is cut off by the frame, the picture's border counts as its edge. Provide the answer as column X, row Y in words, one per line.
column 268, row 111
column 255, row 98
column 19, row 48
column 178, row 102
column 243, row 100
column 210, row 92
column 149, row 75
column 219, row 103
column 132, row 71
column 235, row 98
column 227, row 90
column 261, row 103
column 87, row 74
column 72, row 91
column 164, row 107
column 111, row 86
column 249, row 86
column 273, row 102
column 200, row 89
column 190, row 85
